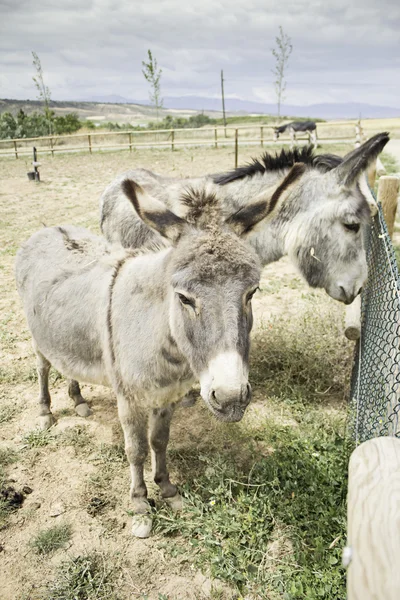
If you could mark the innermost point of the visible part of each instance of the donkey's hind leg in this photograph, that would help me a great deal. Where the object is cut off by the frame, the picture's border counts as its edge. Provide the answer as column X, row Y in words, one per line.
column 81, row 406
column 46, row 419
column 159, row 426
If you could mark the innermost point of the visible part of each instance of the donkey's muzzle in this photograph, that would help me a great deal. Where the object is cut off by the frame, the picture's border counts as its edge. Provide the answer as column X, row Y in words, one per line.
column 228, row 405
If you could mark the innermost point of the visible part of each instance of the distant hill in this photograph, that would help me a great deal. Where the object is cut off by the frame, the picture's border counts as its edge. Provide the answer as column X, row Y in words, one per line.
column 321, row 111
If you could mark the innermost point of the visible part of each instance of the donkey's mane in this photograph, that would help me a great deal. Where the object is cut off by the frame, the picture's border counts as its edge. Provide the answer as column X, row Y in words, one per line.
column 282, row 160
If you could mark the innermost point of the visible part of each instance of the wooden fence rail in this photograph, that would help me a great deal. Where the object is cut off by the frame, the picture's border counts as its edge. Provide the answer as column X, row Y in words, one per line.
column 239, row 135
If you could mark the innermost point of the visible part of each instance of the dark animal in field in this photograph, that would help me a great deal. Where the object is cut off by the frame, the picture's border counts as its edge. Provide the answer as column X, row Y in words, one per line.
column 147, row 323
column 294, row 127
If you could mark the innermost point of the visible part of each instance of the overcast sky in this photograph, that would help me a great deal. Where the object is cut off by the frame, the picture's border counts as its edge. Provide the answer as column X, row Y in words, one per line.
column 343, row 50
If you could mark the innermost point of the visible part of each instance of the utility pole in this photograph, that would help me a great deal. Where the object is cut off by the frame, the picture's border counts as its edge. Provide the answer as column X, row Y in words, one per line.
column 223, row 99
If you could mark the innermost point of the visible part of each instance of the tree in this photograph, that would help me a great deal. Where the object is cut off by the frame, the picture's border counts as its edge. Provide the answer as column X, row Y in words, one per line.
column 43, row 91
column 281, row 53
column 152, row 74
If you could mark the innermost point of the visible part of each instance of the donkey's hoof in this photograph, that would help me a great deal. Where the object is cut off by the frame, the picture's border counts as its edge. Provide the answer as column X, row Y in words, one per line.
column 175, row 502
column 83, row 410
column 46, row 421
column 141, row 526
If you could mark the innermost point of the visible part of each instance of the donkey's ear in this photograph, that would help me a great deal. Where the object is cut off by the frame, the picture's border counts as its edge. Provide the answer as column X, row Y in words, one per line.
column 263, row 205
column 247, row 217
column 357, row 161
column 153, row 212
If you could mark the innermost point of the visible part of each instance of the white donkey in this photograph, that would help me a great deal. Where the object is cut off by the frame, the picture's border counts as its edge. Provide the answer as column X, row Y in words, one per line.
column 147, row 323
column 317, row 207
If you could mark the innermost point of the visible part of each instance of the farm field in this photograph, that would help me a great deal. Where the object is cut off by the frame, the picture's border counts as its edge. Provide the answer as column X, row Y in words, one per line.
column 264, row 514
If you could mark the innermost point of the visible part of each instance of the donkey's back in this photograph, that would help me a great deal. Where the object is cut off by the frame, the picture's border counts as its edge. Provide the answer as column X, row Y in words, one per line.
column 61, row 277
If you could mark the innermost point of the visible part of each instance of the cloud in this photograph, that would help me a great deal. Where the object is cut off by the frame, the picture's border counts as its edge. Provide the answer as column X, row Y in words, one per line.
column 97, row 47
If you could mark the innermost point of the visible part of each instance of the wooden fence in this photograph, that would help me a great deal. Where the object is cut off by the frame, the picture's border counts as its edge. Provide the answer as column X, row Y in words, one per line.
column 169, row 138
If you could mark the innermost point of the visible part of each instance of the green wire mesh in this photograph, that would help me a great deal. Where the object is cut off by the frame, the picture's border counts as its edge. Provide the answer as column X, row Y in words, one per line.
column 375, row 385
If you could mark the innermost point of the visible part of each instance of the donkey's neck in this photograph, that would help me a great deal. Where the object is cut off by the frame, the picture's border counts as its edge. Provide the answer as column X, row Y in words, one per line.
column 268, row 239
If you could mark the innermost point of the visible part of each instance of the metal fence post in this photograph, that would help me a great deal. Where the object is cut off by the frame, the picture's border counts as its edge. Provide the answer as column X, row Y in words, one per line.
column 172, row 140
column 216, row 137
column 16, row 150
column 262, row 136
column 130, row 142
column 90, row 143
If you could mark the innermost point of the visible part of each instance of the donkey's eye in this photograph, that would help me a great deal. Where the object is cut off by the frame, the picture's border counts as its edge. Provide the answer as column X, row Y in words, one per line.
column 251, row 294
column 352, row 227
column 185, row 300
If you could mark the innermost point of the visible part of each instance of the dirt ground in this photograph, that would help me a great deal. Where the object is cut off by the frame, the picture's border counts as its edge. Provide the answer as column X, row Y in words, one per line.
column 64, row 470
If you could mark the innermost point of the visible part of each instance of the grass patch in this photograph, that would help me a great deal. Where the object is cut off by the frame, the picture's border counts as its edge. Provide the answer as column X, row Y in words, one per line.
column 18, row 373
column 38, row 438
column 78, row 437
column 7, row 457
column 297, row 495
column 49, row 540
column 88, row 577
column 304, row 359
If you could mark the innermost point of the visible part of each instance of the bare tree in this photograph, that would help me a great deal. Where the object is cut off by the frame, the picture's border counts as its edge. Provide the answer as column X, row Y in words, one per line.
column 43, row 91
column 152, row 74
column 281, row 52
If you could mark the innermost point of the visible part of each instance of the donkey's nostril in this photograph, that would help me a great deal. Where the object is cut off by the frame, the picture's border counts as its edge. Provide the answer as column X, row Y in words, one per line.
column 246, row 396
column 214, row 400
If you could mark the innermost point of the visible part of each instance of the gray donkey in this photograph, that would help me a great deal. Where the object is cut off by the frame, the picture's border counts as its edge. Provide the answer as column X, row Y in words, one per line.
column 317, row 205
column 146, row 322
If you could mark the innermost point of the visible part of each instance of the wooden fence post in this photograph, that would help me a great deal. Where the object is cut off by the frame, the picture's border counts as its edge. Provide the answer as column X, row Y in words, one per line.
column 359, row 135
column 15, row 148
column 373, row 521
column 262, row 136
column 90, row 143
column 216, row 137
column 130, row 141
column 172, row 139
column 388, row 189
column 236, row 148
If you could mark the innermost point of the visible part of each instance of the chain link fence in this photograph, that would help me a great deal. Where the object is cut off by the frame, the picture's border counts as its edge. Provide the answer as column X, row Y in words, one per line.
column 375, row 385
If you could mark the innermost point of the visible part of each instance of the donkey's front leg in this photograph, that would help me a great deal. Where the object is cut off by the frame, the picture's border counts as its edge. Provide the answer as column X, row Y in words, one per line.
column 134, row 426
column 159, row 426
